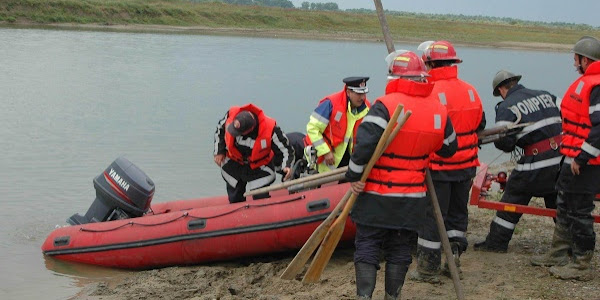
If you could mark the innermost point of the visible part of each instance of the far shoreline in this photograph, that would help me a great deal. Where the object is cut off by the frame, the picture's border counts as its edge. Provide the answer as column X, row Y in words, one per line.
column 272, row 33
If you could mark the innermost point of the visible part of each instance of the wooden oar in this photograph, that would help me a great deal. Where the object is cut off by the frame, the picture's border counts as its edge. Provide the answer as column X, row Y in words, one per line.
column 297, row 264
column 289, row 183
column 314, row 183
column 337, row 228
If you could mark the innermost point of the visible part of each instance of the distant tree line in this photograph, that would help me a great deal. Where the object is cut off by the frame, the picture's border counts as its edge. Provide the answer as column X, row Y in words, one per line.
column 272, row 3
column 319, row 6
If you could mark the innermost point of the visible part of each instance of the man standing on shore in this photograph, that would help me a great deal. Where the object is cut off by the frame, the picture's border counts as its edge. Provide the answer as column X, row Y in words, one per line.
column 391, row 204
column 579, row 178
column 451, row 176
column 536, row 171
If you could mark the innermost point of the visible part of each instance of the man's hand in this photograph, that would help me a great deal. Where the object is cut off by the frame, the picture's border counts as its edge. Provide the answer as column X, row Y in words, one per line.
column 219, row 159
column 288, row 173
column 575, row 167
column 357, row 187
column 329, row 159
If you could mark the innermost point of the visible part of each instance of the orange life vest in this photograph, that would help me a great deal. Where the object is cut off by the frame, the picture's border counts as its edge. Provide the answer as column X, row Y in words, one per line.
column 401, row 168
column 575, row 110
column 335, row 132
column 465, row 110
column 261, row 152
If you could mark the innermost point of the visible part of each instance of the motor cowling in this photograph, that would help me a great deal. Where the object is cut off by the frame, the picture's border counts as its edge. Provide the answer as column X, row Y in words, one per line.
column 122, row 191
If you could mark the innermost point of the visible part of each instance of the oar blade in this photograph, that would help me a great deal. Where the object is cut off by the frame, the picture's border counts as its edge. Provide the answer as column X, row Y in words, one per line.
column 319, row 262
column 297, row 264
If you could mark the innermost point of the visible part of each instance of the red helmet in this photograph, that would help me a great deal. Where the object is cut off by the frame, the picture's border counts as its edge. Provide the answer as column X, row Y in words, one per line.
column 440, row 50
column 407, row 64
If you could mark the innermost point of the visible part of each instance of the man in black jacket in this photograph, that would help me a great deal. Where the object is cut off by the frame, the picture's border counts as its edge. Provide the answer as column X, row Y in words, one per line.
column 537, row 169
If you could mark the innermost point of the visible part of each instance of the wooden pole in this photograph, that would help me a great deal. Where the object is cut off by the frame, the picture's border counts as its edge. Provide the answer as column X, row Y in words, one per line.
column 289, row 183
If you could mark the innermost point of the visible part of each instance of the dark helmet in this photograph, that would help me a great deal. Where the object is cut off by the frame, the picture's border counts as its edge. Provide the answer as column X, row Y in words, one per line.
column 502, row 77
column 589, row 47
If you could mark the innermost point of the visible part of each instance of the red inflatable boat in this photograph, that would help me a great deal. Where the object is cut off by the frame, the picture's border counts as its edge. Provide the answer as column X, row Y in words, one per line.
column 188, row 231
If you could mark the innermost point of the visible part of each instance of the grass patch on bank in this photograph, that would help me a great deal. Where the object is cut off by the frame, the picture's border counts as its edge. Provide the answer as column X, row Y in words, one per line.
column 220, row 15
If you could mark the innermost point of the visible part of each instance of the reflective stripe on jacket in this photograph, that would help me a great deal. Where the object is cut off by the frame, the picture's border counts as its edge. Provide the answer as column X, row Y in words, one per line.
column 575, row 109
column 261, row 151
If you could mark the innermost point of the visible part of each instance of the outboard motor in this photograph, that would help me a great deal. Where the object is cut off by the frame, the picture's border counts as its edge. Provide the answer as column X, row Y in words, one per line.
column 123, row 191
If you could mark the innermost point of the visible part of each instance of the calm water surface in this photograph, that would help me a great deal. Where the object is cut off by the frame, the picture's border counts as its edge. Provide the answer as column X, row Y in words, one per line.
column 71, row 102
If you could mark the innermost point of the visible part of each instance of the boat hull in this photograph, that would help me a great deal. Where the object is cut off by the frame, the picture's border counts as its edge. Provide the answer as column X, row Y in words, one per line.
column 200, row 230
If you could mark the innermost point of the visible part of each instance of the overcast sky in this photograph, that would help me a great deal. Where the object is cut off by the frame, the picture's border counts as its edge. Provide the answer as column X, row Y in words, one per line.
column 570, row 11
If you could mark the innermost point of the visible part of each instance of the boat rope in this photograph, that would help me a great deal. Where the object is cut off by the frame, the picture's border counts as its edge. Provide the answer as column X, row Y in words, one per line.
column 491, row 162
column 186, row 214
column 247, row 206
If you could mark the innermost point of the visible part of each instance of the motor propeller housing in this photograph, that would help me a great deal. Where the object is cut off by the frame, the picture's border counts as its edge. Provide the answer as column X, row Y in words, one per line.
column 122, row 191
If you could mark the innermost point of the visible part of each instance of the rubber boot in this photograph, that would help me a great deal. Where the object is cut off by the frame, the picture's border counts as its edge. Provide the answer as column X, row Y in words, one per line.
column 394, row 280
column 558, row 255
column 496, row 241
column 428, row 266
column 366, row 276
column 456, row 253
column 580, row 268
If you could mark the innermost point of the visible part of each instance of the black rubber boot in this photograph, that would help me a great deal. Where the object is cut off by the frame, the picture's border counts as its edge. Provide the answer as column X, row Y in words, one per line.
column 394, row 280
column 496, row 241
column 366, row 276
column 558, row 255
column 580, row 268
column 428, row 265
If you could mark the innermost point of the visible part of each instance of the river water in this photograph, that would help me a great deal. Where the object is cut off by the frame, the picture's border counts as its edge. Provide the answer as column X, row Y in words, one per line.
column 73, row 101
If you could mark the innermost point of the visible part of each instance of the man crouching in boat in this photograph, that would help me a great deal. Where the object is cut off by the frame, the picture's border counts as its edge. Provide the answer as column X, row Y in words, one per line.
column 391, row 205
column 537, row 169
column 248, row 147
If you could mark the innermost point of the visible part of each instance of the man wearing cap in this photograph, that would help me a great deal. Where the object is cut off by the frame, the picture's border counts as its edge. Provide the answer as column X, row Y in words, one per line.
column 536, row 170
column 332, row 125
column 249, row 148
column 390, row 207
column 579, row 178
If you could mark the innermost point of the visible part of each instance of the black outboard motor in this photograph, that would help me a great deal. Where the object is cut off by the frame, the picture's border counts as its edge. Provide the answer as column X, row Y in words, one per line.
column 123, row 191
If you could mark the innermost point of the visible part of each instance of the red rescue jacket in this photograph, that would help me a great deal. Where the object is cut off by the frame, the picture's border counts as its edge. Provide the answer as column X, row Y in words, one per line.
column 335, row 131
column 575, row 110
column 261, row 152
column 401, row 168
column 465, row 110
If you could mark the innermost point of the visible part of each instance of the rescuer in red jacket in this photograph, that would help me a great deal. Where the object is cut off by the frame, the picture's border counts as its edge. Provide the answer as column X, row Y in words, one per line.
column 250, row 148
column 452, row 176
column 579, row 178
column 390, row 207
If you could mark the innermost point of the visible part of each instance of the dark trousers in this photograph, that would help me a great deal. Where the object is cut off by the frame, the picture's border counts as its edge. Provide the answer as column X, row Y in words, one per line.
column 574, row 212
column 371, row 241
column 240, row 176
column 453, row 197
